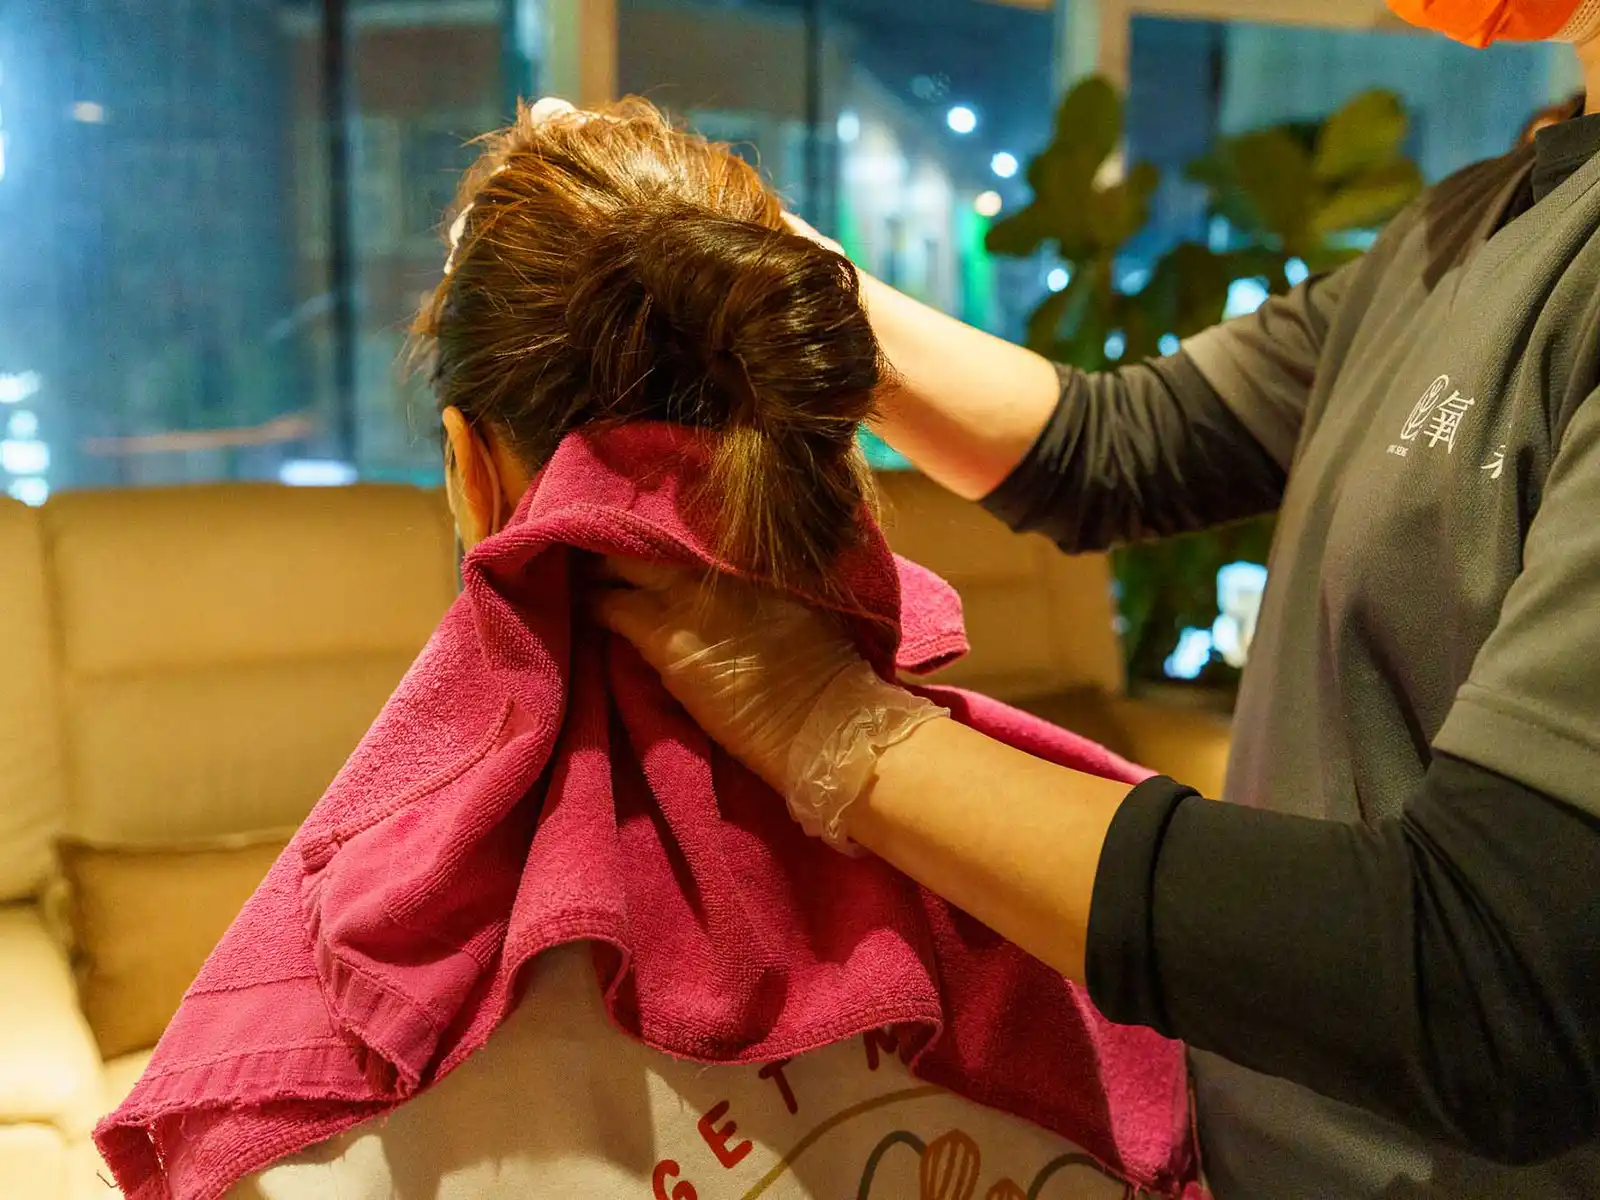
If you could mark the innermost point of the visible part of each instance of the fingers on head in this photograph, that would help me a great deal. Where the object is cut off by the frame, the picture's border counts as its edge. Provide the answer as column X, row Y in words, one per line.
column 645, row 576
column 636, row 615
column 548, row 109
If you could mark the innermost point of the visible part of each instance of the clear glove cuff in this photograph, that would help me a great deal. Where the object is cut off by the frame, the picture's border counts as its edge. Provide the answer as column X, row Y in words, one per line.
column 836, row 753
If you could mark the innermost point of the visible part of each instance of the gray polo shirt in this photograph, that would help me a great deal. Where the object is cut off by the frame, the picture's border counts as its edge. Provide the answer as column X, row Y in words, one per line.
column 1425, row 422
column 1435, row 585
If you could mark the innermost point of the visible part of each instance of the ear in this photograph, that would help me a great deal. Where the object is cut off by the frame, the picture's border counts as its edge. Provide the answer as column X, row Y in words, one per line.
column 472, row 483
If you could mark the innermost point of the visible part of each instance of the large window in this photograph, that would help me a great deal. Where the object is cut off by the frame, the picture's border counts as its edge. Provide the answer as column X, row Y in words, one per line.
column 421, row 80
column 149, row 314
column 220, row 215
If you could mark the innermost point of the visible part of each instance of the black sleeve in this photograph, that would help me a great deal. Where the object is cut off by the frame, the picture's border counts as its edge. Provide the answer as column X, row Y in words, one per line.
column 1143, row 451
column 1437, row 969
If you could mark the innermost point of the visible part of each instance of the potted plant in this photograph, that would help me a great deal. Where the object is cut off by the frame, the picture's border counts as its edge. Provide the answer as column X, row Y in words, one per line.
column 1297, row 197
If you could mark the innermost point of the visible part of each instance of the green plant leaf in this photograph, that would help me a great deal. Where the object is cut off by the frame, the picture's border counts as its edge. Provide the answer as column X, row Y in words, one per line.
column 1088, row 127
column 1020, row 234
column 1274, row 175
column 1201, row 280
column 1369, row 199
column 1369, row 130
column 1044, row 325
column 1116, row 213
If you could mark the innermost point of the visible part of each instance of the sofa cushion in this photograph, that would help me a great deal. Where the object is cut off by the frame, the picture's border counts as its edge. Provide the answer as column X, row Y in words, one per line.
column 120, row 1076
column 33, row 1162
column 31, row 800
column 49, row 1070
column 224, row 648
column 143, row 921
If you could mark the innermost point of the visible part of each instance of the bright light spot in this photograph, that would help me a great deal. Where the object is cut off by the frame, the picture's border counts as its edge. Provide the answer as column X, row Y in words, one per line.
column 14, row 389
column 24, row 456
column 315, row 472
column 1245, row 296
column 1218, row 235
column 1005, row 164
column 1169, row 344
column 89, row 113
column 22, row 425
column 988, row 204
column 1132, row 281
column 1191, row 656
column 848, row 126
column 1239, row 589
column 1228, row 640
column 1058, row 279
column 1241, row 579
column 34, row 491
column 1296, row 271
column 1116, row 346
column 961, row 119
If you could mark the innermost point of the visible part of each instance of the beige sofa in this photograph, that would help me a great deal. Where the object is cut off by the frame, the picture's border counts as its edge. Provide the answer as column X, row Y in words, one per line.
column 192, row 663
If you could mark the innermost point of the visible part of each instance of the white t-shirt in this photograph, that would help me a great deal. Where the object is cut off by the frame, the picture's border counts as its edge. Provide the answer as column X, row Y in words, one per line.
column 561, row 1104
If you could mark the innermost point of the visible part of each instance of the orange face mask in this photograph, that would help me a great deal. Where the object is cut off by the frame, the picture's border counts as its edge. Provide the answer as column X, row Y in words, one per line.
column 1480, row 22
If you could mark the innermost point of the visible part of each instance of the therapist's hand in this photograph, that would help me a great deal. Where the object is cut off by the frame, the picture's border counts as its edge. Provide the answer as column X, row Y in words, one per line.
column 770, row 680
column 749, row 666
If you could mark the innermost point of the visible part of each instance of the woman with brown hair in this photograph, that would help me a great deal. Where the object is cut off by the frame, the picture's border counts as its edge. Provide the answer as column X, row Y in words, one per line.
column 541, row 937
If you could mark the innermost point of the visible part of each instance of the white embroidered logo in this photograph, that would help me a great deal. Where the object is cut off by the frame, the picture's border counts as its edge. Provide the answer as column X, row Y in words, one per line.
column 1424, row 408
column 1436, row 418
column 1496, row 466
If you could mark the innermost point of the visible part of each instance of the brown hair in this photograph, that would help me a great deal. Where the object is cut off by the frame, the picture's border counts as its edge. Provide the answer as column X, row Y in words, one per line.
column 612, row 268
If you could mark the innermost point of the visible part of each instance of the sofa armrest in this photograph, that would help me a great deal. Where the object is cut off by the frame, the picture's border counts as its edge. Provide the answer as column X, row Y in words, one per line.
column 1190, row 745
column 49, row 1065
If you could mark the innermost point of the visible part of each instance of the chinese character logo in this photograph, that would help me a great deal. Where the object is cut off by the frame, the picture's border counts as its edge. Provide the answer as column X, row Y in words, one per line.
column 1446, row 421
column 1424, row 408
column 1437, row 417
column 1496, row 466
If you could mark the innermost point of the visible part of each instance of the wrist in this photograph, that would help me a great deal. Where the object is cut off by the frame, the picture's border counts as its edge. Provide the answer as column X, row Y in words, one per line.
column 833, row 760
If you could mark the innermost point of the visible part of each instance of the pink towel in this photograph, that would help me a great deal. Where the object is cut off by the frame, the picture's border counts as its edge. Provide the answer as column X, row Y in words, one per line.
column 529, row 784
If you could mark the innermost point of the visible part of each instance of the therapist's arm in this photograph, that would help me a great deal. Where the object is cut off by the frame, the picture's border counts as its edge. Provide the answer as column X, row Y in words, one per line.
column 963, row 405
column 1091, row 460
column 1437, row 968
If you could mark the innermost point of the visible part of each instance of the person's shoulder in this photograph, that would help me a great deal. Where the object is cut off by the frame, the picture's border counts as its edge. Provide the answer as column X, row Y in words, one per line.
column 1476, row 186
column 1442, row 222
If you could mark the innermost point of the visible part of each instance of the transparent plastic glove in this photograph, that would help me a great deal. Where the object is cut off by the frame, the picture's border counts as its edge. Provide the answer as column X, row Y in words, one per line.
column 778, row 685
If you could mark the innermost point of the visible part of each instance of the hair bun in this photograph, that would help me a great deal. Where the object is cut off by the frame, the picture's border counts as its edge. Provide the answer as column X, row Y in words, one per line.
column 715, row 321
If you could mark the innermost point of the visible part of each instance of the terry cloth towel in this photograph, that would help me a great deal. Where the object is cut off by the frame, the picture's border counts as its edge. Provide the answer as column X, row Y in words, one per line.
column 531, row 784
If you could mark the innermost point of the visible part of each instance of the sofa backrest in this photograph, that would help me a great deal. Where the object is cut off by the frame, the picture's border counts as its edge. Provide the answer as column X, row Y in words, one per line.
column 32, row 792
column 184, row 663
column 1040, row 622
column 222, row 649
